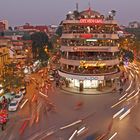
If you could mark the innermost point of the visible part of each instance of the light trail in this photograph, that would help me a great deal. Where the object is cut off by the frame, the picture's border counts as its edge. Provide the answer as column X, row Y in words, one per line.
column 118, row 103
column 73, row 134
column 69, row 125
column 113, row 136
column 23, row 103
column 133, row 96
column 80, row 131
column 47, row 134
column 129, row 86
column 131, row 93
column 125, row 69
column 118, row 113
column 132, row 74
column 137, row 71
column 43, row 94
column 123, row 96
column 37, row 118
column 124, row 115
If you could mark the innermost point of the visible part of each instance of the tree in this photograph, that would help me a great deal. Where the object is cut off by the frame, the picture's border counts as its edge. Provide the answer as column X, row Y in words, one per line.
column 26, row 36
column 39, row 42
column 59, row 31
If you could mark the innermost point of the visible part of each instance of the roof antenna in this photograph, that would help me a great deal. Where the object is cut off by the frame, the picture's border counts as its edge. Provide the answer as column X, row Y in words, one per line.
column 77, row 7
column 89, row 5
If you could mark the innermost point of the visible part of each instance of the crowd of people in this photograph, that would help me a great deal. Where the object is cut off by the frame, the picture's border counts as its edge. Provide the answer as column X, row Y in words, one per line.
column 91, row 56
column 98, row 29
column 95, row 70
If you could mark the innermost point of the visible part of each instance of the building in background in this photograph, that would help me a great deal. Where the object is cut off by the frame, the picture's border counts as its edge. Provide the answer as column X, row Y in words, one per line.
column 5, row 44
column 134, row 24
column 4, row 25
column 31, row 28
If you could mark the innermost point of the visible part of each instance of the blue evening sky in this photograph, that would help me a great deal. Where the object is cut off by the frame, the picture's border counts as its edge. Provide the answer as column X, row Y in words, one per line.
column 18, row 12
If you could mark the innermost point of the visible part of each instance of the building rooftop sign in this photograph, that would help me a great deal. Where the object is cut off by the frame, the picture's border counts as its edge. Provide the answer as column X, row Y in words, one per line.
column 91, row 21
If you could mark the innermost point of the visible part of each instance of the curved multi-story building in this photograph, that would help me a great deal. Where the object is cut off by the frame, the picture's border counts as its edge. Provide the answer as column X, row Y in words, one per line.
column 89, row 51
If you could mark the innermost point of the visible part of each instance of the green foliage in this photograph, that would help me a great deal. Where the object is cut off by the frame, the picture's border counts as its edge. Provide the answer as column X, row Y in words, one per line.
column 59, row 31
column 26, row 36
column 39, row 42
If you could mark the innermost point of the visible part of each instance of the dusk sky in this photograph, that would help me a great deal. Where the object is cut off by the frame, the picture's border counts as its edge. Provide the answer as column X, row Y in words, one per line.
column 18, row 12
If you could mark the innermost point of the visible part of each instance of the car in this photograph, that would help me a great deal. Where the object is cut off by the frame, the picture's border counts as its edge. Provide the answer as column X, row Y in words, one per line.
column 18, row 97
column 22, row 90
column 13, row 105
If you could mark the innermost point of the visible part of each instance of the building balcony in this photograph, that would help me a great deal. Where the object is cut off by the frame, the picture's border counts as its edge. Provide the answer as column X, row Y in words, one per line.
column 90, row 35
column 90, row 58
column 90, row 63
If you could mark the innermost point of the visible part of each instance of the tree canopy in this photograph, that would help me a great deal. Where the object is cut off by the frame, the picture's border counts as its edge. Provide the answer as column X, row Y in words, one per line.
column 39, row 42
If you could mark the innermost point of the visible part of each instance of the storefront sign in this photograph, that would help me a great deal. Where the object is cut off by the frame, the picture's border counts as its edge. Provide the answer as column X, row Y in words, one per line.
column 80, row 77
column 94, row 64
column 91, row 21
column 91, row 49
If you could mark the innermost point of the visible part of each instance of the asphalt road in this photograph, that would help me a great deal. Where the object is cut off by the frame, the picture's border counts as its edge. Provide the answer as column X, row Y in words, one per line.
column 33, row 122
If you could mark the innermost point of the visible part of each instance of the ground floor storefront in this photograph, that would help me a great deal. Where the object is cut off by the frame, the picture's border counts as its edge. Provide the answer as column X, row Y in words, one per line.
column 83, row 84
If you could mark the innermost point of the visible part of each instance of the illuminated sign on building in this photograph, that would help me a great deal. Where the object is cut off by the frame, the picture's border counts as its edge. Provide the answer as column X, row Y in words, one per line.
column 96, row 64
column 91, row 21
column 86, row 35
column 91, row 49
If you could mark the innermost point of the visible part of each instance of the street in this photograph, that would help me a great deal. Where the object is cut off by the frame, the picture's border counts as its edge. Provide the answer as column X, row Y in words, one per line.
column 35, row 122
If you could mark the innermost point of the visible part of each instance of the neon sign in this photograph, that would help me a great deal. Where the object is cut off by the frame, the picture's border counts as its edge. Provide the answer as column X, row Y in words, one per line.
column 91, row 21
column 86, row 35
column 96, row 64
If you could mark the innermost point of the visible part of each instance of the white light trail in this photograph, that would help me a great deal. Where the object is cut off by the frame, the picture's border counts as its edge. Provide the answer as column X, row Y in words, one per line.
column 118, row 113
column 133, row 96
column 23, row 103
column 118, row 103
column 69, row 125
column 123, row 96
column 131, row 93
column 132, row 74
column 113, row 136
column 79, row 131
column 73, row 134
column 43, row 94
column 47, row 134
column 129, row 86
column 125, row 114
column 137, row 71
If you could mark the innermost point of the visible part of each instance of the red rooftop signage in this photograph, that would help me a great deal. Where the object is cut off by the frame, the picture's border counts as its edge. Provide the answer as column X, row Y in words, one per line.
column 86, row 36
column 91, row 21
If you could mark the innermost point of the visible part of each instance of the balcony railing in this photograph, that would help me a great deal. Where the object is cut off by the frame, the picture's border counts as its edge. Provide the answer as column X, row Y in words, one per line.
column 91, row 58
column 90, row 72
